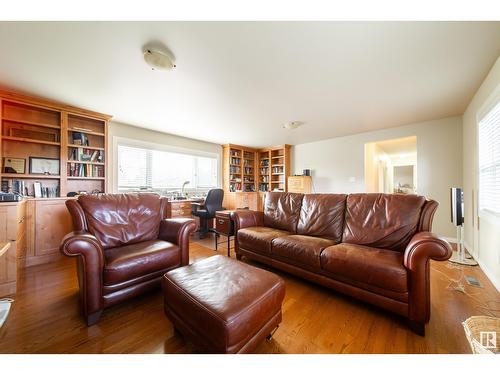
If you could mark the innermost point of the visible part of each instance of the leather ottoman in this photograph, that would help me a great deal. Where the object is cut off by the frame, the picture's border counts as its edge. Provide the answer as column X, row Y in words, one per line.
column 222, row 305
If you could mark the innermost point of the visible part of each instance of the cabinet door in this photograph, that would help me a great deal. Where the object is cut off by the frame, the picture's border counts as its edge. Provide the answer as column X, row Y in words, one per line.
column 53, row 222
column 244, row 200
column 8, row 259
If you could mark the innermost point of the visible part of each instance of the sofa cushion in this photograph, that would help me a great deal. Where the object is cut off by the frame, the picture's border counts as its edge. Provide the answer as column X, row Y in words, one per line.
column 301, row 249
column 322, row 215
column 258, row 239
column 120, row 219
column 386, row 221
column 368, row 265
column 135, row 260
column 282, row 210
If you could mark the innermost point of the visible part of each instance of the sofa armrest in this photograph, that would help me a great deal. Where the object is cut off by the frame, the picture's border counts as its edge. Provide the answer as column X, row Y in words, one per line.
column 177, row 231
column 247, row 218
column 424, row 246
column 84, row 245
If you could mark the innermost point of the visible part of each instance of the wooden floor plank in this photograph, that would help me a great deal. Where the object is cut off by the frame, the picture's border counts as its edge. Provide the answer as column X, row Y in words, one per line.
column 45, row 317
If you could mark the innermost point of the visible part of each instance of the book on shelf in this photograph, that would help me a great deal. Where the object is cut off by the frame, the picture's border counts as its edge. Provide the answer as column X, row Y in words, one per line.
column 80, row 139
column 22, row 187
column 11, row 185
column 76, row 169
column 85, row 154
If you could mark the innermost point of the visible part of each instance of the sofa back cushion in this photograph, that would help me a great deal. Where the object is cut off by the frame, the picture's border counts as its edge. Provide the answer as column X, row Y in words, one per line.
column 386, row 221
column 322, row 215
column 282, row 210
column 120, row 219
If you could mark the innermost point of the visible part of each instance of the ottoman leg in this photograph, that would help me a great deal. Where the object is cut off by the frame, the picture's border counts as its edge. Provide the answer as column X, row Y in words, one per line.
column 270, row 336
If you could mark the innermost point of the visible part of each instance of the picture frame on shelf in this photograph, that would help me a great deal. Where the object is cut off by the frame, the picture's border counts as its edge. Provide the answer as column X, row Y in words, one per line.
column 47, row 166
column 14, row 165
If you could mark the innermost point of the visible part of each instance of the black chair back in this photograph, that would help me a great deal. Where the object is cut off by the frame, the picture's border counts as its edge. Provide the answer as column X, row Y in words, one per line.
column 213, row 201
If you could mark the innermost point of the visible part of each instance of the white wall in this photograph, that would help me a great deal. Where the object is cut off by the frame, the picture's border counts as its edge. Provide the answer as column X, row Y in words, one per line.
column 482, row 242
column 117, row 129
column 337, row 164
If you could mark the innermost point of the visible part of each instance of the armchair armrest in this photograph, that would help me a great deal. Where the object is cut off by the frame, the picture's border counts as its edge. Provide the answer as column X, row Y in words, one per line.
column 424, row 246
column 195, row 206
column 84, row 244
column 247, row 218
column 178, row 231
column 91, row 260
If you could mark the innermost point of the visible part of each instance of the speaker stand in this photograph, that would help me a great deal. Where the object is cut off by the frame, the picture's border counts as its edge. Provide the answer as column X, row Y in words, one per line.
column 459, row 256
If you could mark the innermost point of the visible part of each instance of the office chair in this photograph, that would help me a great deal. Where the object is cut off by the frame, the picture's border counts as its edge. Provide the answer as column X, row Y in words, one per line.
column 206, row 211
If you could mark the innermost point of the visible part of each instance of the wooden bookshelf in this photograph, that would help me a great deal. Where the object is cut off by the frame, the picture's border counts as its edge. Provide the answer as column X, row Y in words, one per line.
column 248, row 173
column 36, row 127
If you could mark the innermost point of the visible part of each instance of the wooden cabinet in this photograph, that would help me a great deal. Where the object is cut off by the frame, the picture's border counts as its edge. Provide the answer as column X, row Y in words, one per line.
column 52, row 223
column 12, row 231
column 300, row 184
column 246, row 200
column 48, row 221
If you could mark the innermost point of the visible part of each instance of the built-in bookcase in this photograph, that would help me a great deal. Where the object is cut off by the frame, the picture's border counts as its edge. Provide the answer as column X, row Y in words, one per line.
column 66, row 146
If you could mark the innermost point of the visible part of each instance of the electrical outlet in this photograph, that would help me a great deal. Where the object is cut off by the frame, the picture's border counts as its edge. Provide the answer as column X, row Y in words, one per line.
column 471, row 280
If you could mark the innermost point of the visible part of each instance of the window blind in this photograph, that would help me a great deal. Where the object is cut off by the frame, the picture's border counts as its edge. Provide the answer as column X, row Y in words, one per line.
column 141, row 168
column 489, row 161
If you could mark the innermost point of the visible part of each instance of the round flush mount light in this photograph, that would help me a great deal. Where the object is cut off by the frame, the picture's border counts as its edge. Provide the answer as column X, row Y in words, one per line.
column 158, row 60
column 292, row 125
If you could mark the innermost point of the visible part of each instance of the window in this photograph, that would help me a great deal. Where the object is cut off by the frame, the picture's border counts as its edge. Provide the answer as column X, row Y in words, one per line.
column 489, row 161
column 142, row 168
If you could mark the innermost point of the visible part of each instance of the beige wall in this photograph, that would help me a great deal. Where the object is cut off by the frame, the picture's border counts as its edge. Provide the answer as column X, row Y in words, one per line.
column 483, row 243
column 338, row 163
column 120, row 130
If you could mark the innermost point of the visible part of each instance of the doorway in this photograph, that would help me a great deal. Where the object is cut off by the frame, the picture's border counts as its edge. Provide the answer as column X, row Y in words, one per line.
column 391, row 166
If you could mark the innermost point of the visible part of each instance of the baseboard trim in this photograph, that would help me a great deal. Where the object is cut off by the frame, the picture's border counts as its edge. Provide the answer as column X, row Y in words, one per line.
column 451, row 239
column 490, row 275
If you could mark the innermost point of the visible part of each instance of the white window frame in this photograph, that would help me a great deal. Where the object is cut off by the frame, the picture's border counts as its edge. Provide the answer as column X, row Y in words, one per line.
column 159, row 147
column 485, row 109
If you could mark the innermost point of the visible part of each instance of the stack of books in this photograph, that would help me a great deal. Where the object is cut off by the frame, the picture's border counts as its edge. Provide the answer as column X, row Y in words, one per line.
column 80, row 139
column 10, row 185
column 85, row 170
column 85, row 154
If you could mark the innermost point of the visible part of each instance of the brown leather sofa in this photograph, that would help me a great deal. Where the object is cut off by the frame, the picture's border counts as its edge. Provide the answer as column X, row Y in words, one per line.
column 124, row 245
column 374, row 247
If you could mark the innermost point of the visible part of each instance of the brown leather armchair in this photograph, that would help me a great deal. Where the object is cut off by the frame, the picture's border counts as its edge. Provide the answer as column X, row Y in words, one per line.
column 124, row 245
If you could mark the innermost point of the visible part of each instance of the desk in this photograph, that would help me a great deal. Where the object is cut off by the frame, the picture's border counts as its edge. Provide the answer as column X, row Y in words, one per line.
column 181, row 208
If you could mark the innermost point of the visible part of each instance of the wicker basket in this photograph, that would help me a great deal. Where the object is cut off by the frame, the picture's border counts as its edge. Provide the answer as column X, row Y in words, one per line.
column 473, row 327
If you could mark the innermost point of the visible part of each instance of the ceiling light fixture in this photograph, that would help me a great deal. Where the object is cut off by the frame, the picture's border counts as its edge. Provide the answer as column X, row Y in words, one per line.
column 292, row 125
column 158, row 60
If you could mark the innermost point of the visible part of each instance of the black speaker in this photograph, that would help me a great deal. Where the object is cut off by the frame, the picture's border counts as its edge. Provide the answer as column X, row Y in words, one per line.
column 457, row 206
column 306, row 172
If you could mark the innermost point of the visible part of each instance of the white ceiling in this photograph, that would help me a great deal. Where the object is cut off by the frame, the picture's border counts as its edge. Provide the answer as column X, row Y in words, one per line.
column 239, row 82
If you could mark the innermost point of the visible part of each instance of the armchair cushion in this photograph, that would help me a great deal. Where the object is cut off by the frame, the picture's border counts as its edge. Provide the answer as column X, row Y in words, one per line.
column 135, row 260
column 368, row 265
column 122, row 219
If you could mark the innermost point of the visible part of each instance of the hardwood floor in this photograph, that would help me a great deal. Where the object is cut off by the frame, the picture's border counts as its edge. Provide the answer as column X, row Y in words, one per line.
column 45, row 317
